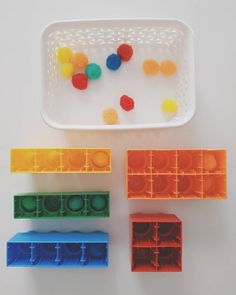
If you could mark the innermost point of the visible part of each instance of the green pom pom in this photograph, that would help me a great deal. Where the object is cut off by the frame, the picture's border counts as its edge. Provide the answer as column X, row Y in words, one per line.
column 93, row 71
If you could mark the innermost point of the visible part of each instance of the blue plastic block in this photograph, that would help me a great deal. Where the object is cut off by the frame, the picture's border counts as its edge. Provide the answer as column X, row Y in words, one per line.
column 56, row 249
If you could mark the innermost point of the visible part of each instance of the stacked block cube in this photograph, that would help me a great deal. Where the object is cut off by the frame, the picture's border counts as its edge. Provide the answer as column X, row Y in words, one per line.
column 62, row 205
column 176, row 174
column 58, row 160
column 156, row 243
column 54, row 249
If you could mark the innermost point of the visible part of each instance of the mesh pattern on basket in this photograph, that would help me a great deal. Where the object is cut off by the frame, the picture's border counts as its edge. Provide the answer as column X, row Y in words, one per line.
column 166, row 38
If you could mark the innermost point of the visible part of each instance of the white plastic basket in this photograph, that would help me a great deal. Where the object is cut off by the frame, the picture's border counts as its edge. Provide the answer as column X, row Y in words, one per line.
column 64, row 107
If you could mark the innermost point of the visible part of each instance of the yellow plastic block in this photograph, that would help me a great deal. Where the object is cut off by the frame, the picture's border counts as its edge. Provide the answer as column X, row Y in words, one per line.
column 56, row 160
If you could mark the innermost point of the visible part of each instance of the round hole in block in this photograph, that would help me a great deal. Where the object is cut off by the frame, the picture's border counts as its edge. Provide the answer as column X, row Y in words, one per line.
column 98, row 203
column 52, row 203
column 209, row 162
column 28, row 204
column 137, row 160
column 142, row 229
column 184, row 184
column 77, row 159
column 53, row 158
column 100, row 159
column 137, row 183
column 75, row 203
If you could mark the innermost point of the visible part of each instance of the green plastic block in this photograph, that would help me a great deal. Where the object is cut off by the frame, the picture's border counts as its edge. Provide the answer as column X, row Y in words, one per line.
column 62, row 205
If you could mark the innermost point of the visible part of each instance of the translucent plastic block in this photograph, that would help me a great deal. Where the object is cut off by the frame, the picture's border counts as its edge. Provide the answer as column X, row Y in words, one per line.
column 54, row 249
column 176, row 174
column 139, row 186
column 169, row 259
column 214, row 186
column 214, row 161
column 61, row 160
column 144, row 260
column 156, row 242
column 164, row 161
column 139, row 161
column 164, row 186
column 60, row 205
column 189, row 186
column 189, row 161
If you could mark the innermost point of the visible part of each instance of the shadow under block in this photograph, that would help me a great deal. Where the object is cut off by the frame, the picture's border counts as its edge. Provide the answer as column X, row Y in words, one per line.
column 56, row 249
column 60, row 160
column 62, row 205
column 176, row 174
column 156, row 243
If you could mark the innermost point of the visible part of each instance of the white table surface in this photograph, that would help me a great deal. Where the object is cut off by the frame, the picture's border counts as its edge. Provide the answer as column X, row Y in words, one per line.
column 209, row 231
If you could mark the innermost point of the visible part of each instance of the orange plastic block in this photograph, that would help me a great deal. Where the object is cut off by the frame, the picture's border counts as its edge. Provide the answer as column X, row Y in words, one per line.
column 176, row 174
column 156, row 243
column 57, row 160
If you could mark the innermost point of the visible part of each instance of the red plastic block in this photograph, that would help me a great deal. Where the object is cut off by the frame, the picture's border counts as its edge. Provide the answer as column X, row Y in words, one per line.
column 156, row 243
column 176, row 174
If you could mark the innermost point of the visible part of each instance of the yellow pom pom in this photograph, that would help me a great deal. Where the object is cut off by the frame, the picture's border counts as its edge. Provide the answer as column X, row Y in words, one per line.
column 64, row 55
column 168, row 68
column 67, row 70
column 169, row 106
column 80, row 60
column 151, row 67
column 110, row 116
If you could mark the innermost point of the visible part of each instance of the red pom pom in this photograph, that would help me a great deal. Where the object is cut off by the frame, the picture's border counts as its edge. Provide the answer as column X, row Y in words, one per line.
column 80, row 81
column 127, row 103
column 125, row 51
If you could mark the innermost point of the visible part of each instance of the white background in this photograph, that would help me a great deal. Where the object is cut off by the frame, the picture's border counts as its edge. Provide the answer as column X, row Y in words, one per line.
column 209, row 231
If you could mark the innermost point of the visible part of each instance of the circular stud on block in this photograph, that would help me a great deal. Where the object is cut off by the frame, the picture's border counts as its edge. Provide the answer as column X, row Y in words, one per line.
column 113, row 62
column 100, row 159
column 184, row 161
column 28, row 204
column 76, row 159
column 64, row 55
column 137, row 160
column 185, row 184
column 67, row 70
column 151, row 67
column 137, row 183
column 80, row 81
column 110, row 116
column 93, row 71
column 75, row 203
column 125, row 51
column 209, row 162
column 168, row 68
column 98, row 203
column 160, row 184
column 80, row 60
column 52, row 203
column 160, row 161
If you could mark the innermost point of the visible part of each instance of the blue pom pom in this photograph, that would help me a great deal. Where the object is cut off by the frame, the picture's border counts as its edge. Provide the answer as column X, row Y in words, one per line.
column 113, row 62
